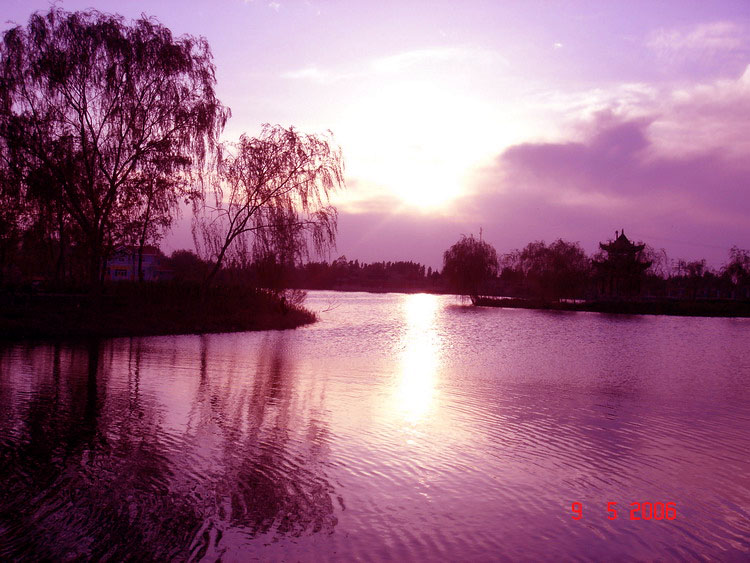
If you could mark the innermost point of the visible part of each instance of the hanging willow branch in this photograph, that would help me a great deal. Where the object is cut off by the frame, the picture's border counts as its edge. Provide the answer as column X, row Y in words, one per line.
column 270, row 195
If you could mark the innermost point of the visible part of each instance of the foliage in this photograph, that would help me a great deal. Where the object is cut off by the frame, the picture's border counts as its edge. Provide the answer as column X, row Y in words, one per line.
column 270, row 196
column 102, row 125
column 738, row 267
column 468, row 265
column 187, row 266
column 659, row 266
column 353, row 274
column 560, row 270
column 11, row 213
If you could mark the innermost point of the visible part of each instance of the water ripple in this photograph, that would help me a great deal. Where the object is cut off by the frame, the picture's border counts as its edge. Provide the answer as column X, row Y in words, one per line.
column 398, row 428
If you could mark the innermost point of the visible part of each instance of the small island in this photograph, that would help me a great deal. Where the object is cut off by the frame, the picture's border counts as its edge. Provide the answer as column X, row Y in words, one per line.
column 623, row 277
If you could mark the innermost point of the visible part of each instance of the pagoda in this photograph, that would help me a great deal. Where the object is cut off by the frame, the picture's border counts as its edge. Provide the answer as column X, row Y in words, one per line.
column 621, row 271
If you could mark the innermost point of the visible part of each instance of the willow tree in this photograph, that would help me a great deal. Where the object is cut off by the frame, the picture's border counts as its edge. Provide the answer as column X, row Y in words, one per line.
column 270, row 197
column 105, row 107
column 468, row 265
column 552, row 272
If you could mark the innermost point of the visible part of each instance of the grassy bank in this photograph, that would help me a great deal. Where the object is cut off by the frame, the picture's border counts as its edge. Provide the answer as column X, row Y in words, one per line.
column 146, row 309
column 697, row 308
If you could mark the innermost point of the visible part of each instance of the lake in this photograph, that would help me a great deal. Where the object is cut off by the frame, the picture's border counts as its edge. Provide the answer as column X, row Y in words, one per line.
column 399, row 427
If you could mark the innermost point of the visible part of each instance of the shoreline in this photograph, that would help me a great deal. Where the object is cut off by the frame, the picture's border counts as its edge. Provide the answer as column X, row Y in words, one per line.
column 666, row 307
column 150, row 310
column 672, row 308
column 174, row 309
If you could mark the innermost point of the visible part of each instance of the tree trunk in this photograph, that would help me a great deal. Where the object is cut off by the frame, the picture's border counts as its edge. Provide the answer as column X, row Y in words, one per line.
column 219, row 260
column 215, row 270
column 142, row 240
column 140, row 261
column 60, row 267
column 95, row 267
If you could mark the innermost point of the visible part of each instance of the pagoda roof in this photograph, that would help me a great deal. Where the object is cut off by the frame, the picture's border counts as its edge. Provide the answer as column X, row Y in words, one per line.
column 621, row 244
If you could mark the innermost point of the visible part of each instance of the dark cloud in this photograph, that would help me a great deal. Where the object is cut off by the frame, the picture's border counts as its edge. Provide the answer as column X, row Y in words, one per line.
column 608, row 157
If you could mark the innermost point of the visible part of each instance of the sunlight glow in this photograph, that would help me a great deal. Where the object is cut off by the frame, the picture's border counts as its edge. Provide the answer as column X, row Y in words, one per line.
column 419, row 138
column 415, row 393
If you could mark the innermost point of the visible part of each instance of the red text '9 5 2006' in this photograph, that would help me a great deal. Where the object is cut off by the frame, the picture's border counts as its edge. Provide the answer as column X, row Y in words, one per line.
column 637, row 511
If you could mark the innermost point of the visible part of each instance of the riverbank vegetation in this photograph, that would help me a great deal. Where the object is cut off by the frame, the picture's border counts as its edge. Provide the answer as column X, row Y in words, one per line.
column 622, row 277
column 540, row 274
column 557, row 276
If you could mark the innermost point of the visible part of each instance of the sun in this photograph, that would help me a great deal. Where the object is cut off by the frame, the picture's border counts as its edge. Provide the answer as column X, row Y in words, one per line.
column 424, row 185
column 416, row 140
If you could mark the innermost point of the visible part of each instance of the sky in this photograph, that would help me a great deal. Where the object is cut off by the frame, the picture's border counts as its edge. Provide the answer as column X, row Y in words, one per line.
column 528, row 120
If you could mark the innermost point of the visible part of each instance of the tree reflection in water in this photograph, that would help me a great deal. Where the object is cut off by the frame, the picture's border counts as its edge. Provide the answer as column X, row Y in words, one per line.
column 272, row 482
column 92, row 469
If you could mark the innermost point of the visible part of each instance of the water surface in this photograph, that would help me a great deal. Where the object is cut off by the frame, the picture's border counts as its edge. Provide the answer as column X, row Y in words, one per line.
column 401, row 427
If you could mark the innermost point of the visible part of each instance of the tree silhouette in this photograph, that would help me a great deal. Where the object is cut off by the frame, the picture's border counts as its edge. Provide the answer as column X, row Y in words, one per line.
column 270, row 196
column 468, row 265
column 154, row 206
column 551, row 272
column 738, row 267
column 11, row 214
column 100, row 109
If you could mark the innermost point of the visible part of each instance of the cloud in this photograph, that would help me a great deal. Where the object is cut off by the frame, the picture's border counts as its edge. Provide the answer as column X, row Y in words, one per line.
column 273, row 5
column 309, row 73
column 685, row 119
column 408, row 61
column 435, row 56
column 709, row 49
column 703, row 117
column 714, row 36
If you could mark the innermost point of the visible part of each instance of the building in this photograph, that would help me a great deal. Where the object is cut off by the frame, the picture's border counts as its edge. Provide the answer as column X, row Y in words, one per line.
column 123, row 265
column 619, row 274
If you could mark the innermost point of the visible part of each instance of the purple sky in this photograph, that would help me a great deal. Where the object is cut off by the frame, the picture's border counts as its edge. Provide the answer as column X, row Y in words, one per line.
column 532, row 120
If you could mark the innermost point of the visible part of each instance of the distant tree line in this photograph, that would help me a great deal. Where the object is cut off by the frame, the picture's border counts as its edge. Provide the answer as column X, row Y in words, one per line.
column 351, row 274
column 550, row 272
column 271, row 272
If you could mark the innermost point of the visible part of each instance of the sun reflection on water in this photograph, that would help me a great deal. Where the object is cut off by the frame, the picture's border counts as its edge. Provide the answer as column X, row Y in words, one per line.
column 416, row 384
